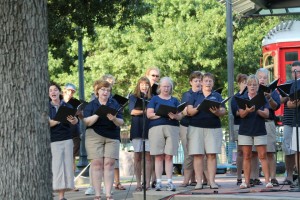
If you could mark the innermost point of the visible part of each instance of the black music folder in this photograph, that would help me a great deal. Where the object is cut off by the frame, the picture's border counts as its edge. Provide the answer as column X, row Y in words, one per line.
column 206, row 104
column 103, row 110
column 164, row 110
column 286, row 87
column 63, row 112
column 219, row 90
column 139, row 104
column 74, row 102
column 77, row 104
column 291, row 96
column 258, row 101
column 120, row 99
column 270, row 88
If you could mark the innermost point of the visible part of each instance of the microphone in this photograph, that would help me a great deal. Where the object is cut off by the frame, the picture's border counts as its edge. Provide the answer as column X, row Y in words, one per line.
column 295, row 70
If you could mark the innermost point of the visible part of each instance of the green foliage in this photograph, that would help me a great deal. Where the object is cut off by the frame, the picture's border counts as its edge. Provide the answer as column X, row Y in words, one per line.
column 178, row 36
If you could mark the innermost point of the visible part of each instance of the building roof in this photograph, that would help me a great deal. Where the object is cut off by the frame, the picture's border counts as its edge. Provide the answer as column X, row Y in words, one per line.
column 254, row 8
column 287, row 31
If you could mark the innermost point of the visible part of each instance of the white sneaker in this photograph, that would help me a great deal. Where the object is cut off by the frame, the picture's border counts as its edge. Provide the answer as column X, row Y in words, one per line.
column 90, row 191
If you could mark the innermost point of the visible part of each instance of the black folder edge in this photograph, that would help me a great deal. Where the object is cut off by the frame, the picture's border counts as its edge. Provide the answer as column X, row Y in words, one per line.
column 219, row 90
column 63, row 112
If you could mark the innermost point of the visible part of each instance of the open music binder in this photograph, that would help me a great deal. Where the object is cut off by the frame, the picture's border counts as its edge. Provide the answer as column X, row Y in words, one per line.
column 139, row 104
column 77, row 104
column 286, row 87
column 164, row 110
column 206, row 104
column 103, row 110
column 120, row 99
column 63, row 112
column 271, row 87
column 291, row 96
column 258, row 101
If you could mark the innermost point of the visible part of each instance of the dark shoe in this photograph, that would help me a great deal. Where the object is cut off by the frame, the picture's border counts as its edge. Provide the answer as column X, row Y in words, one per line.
column 257, row 182
column 274, row 182
column 153, row 185
column 119, row 187
column 239, row 181
column 294, row 184
column 287, row 182
column 252, row 183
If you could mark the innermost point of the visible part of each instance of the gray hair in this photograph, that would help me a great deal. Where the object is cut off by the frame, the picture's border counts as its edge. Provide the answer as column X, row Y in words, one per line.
column 263, row 70
column 169, row 80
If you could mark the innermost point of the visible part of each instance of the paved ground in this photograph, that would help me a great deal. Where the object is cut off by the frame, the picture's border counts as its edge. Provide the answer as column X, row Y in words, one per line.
column 228, row 190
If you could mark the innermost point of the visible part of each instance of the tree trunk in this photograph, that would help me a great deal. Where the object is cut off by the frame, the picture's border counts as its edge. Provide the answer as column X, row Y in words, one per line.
column 25, row 156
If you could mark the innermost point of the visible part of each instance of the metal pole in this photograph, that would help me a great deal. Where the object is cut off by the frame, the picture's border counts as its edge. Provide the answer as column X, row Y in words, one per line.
column 230, row 78
column 83, row 156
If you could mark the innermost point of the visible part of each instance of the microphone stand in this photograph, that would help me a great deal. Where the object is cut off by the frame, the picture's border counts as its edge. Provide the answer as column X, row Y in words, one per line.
column 297, row 133
column 144, row 148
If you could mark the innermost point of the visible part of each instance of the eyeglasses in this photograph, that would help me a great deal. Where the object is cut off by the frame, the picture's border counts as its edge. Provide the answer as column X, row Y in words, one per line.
column 153, row 75
column 105, row 90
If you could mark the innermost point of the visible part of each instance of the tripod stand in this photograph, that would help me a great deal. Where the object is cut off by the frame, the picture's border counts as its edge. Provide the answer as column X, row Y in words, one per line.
column 297, row 132
column 144, row 149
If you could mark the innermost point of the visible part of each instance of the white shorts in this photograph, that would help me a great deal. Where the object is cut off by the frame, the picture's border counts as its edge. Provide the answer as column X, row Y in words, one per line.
column 138, row 145
column 252, row 140
column 287, row 140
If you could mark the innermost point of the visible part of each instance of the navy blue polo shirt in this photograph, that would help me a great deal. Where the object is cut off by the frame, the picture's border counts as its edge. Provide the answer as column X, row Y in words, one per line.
column 136, row 128
column 235, row 108
column 61, row 131
column 204, row 119
column 185, row 98
column 253, row 124
column 103, row 126
column 293, row 89
column 154, row 103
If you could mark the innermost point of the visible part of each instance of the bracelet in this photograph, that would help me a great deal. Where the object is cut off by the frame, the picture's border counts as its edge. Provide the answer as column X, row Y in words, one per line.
column 270, row 99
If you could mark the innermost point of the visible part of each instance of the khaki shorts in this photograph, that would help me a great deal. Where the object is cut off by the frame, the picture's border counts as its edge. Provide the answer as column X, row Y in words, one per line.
column 188, row 160
column 204, row 140
column 98, row 146
column 252, row 140
column 287, row 140
column 164, row 140
column 138, row 145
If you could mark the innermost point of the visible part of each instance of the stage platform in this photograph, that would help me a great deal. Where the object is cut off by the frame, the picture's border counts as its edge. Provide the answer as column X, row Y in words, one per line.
column 227, row 190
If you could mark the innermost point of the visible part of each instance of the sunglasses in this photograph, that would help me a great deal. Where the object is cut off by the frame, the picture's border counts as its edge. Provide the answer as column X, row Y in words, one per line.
column 153, row 75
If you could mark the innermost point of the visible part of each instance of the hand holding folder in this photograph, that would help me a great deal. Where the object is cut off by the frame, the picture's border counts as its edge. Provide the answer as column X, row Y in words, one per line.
column 258, row 101
column 164, row 110
column 207, row 104
column 63, row 112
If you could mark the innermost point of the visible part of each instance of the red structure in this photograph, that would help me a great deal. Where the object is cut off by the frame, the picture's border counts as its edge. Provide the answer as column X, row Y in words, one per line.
column 281, row 47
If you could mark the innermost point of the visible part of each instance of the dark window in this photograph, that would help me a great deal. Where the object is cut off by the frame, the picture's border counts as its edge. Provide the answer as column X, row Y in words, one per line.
column 291, row 56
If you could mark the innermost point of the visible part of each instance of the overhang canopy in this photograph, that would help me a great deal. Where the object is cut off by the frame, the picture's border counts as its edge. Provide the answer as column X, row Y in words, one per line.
column 256, row 8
